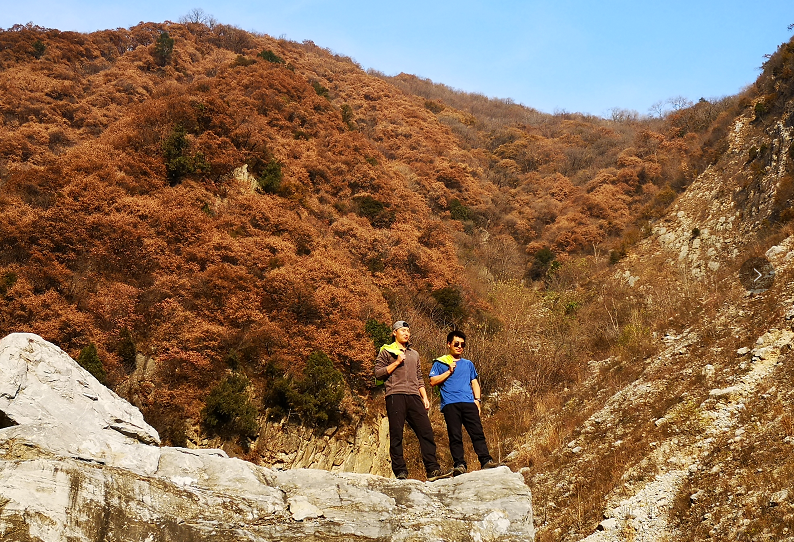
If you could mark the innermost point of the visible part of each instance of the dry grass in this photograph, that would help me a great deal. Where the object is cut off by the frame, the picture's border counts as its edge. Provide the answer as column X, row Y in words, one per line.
column 736, row 484
column 736, row 505
column 624, row 326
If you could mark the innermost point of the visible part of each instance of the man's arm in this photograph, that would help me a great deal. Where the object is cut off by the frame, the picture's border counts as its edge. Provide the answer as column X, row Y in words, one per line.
column 421, row 380
column 423, row 395
column 439, row 379
column 386, row 364
column 475, row 388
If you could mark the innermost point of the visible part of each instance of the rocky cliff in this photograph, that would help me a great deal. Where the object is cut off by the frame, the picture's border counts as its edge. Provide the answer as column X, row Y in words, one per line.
column 79, row 463
column 692, row 440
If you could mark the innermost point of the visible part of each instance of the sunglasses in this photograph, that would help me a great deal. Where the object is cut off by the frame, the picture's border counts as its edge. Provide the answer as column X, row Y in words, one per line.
column 461, row 344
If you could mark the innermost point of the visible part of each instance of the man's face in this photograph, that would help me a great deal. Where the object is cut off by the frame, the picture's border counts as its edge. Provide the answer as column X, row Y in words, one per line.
column 402, row 335
column 456, row 346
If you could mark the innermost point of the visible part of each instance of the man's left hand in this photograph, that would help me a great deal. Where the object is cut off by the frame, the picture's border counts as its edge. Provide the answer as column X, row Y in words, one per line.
column 426, row 402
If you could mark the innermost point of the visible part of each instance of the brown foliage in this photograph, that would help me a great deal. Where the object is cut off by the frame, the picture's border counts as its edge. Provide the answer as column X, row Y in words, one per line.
column 95, row 241
column 100, row 235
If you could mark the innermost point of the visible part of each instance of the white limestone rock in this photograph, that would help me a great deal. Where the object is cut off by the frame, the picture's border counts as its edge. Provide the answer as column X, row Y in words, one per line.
column 40, row 383
column 608, row 524
column 301, row 509
column 779, row 497
column 724, row 392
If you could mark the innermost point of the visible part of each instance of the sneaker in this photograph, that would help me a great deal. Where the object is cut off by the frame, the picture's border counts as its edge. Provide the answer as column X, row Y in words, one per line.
column 490, row 464
column 402, row 475
column 438, row 475
column 458, row 470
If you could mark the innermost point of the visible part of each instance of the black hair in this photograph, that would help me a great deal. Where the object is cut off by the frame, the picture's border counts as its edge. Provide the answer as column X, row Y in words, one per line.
column 455, row 333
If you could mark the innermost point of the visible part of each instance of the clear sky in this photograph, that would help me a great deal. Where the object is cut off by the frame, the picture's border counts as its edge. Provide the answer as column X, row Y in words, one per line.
column 572, row 55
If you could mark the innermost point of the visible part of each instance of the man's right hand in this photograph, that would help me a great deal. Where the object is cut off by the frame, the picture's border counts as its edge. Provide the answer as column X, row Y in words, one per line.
column 452, row 365
column 396, row 363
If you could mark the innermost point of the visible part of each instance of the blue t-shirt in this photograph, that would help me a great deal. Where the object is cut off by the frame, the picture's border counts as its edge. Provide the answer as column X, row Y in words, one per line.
column 456, row 388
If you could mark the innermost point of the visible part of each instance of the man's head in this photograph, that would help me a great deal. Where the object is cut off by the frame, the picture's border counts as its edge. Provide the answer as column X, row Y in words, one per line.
column 401, row 331
column 456, row 342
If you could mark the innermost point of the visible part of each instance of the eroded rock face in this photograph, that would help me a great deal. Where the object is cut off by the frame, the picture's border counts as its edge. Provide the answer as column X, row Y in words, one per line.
column 294, row 447
column 79, row 463
column 40, row 383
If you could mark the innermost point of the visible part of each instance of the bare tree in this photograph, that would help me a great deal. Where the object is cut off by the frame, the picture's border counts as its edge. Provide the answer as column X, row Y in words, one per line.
column 679, row 102
column 657, row 109
column 198, row 16
column 618, row 114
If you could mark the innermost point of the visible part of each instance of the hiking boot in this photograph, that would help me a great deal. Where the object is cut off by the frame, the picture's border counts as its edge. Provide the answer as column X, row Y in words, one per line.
column 490, row 464
column 402, row 475
column 458, row 470
column 438, row 475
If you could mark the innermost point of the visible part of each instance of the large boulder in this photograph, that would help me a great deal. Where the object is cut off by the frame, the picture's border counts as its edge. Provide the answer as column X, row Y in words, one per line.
column 40, row 383
column 79, row 463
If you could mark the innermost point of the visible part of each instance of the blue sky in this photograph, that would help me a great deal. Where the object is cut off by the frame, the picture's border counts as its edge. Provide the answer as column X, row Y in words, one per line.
column 570, row 55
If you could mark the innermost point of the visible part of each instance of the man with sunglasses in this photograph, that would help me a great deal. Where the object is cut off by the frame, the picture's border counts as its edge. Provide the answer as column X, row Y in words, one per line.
column 460, row 402
column 397, row 365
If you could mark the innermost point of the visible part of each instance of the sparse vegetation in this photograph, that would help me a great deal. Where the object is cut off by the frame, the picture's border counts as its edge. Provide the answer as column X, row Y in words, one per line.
column 163, row 48
column 458, row 211
column 379, row 332
column 127, row 351
column 377, row 212
column 178, row 162
column 451, row 309
column 320, row 90
column 541, row 264
column 269, row 181
column 347, row 116
column 314, row 399
column 7, row 281
column 39, row 48
column 270, row 56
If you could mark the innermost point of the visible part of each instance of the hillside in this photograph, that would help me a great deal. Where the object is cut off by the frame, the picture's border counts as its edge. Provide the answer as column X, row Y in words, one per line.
column 192, row 200
column 689, row 438
column 247, row 215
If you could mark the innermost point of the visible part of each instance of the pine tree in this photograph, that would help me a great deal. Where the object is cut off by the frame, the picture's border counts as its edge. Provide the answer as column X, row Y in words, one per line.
column 127, row 351
column 89, row 360
column 163, row 49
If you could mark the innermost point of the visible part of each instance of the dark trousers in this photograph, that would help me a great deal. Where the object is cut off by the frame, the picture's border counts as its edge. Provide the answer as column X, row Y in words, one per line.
column 409, row 408
column 466, row 415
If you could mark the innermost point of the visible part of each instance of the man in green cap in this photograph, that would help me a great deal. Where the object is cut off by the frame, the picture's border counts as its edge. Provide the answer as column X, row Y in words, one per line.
column 398, row 366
